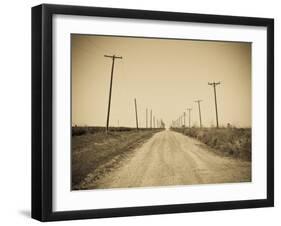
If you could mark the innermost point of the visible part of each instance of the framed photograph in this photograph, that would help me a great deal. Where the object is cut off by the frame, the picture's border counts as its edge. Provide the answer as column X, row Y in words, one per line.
column 145, row 112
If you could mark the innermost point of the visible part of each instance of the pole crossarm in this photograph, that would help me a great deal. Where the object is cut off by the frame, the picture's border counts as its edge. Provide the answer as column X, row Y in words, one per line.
column 214, row 83
column 113, row 56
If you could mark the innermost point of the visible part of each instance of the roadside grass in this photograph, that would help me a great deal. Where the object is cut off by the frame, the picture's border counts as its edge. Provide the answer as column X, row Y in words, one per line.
column 233, row 142
column 81, row 130
column 94, row 153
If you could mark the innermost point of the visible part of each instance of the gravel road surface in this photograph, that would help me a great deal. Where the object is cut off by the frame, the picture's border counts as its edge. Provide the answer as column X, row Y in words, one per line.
column 170, row 158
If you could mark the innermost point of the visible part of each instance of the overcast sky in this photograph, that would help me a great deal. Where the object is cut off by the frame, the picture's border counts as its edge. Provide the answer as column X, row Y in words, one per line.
column 164, row 75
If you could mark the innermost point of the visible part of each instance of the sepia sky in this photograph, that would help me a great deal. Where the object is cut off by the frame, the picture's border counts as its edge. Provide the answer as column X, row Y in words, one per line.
column 163, row 75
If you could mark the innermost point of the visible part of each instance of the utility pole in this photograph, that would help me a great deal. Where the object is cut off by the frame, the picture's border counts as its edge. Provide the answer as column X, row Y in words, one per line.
column 146, row 117
column 198, row 102
column 184, row 118
column 136, row 110
column 189, row 111
column 151, row 119
column 113, row 57
column 180, row 120
column 214, row 84
column 154, row 121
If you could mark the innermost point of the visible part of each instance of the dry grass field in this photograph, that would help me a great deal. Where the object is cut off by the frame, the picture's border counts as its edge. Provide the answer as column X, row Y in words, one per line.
column 233, row 142
column 95, row 153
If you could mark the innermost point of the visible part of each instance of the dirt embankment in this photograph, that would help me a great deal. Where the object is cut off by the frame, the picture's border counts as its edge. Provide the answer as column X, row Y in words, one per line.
column 95, row 154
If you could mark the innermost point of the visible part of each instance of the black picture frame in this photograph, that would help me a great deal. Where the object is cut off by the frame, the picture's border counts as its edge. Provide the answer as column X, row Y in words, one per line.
column 42, row 111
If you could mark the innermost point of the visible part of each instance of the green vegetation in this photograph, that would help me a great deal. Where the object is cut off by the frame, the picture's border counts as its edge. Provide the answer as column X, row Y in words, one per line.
column 95, row 153
column 234, row 142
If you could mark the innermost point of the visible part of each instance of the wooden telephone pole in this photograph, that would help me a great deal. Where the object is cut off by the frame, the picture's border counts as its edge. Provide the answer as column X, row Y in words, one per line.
column 189, row 111
column 181, row 120
column 198, row 102
column 113, row 57
column 151, row 119
column 214, row 84
column 136, row 110
column 146, row 117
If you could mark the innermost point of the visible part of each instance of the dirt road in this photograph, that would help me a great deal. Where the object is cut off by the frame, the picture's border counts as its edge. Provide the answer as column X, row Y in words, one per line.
column 170, row 158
